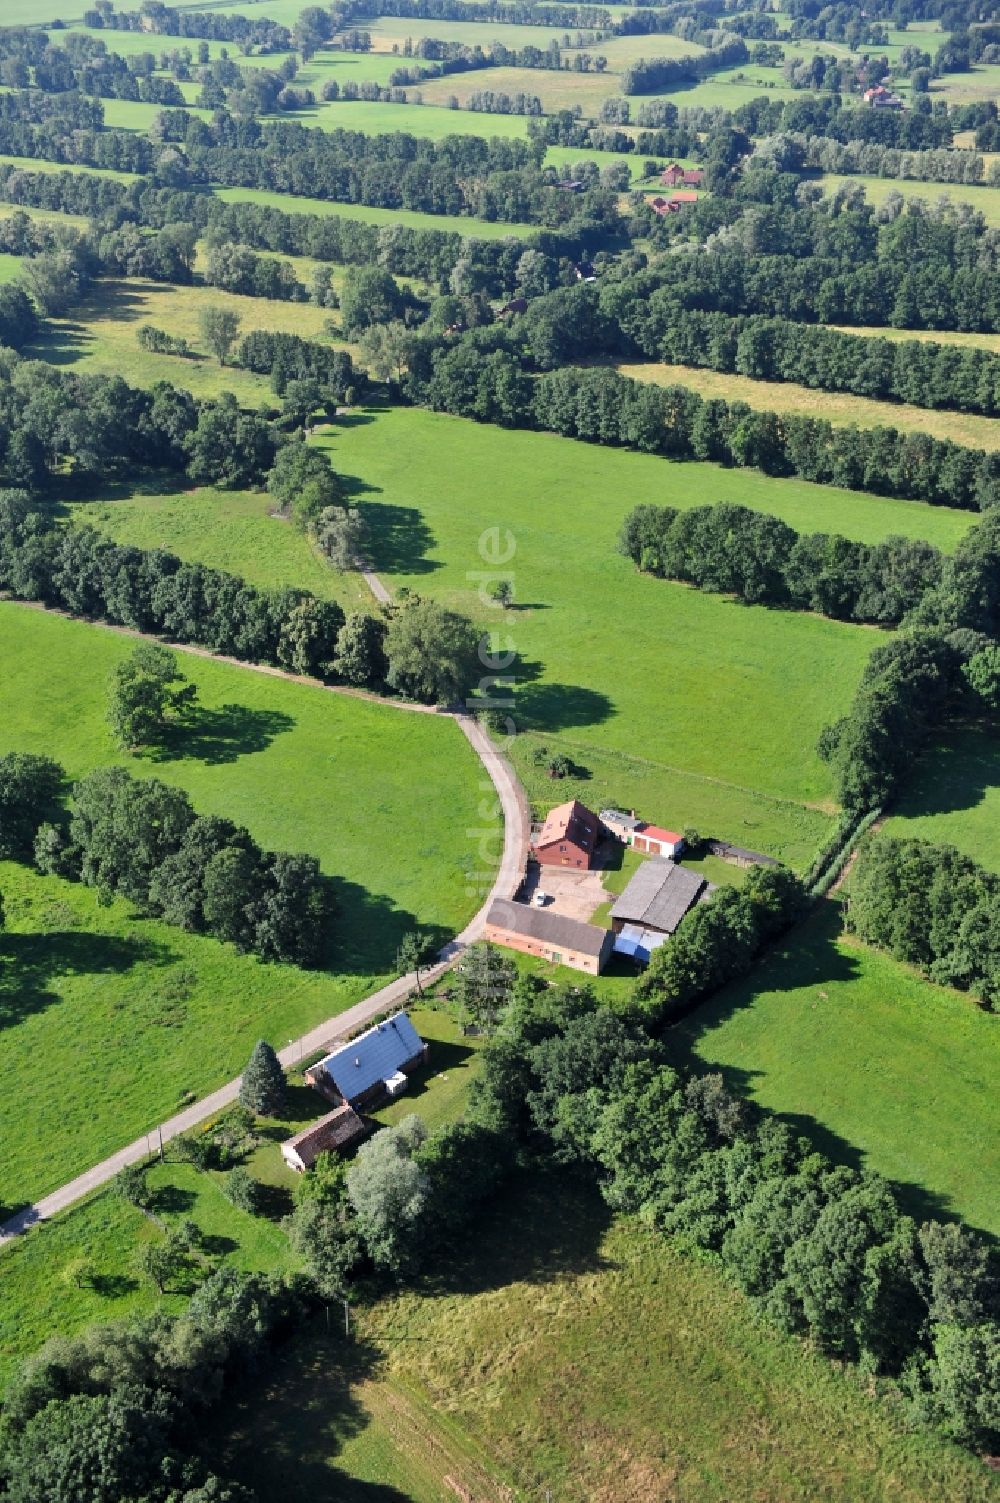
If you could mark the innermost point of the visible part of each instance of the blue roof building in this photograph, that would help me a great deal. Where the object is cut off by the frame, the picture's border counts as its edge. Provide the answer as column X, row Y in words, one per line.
column 375, row 1063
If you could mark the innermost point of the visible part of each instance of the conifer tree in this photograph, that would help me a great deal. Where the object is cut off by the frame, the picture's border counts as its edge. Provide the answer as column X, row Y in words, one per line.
column 262, row 1089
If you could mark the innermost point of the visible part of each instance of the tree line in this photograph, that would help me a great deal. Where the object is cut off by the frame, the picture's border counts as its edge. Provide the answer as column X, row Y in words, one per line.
column 944, row 664
column 932, row 907
column 732, row 550
column 919, row 372
column 85, row 65
column 656, row 75
column 933, row 165
column 823, row 1251
column 436, row 255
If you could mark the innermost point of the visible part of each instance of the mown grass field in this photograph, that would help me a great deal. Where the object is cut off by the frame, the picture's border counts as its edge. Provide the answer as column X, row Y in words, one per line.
column 877, row 190
column 837, row 407
column 99, row 335
column 607, row 658
column 562, row 1354
column 877, row 1066
column 99, row 995
column 976, row 341
column 953, row 797
column 234, row 530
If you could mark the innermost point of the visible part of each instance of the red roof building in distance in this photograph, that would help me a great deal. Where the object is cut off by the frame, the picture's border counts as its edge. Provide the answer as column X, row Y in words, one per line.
column 688, row 177
column 568, row 837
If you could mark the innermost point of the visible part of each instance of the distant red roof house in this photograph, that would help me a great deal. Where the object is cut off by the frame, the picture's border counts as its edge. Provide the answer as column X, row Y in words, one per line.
column 568, row 837
column 882, row 98
column 690, row 177
column 656, row 841
column 671, row 205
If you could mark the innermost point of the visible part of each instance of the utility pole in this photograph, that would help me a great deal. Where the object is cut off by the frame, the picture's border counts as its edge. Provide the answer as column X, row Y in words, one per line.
column 159, row 1133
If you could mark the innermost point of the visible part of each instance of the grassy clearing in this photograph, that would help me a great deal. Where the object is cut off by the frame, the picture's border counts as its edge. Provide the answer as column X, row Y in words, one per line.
column 837, row 407
column 588, row 1361
column 614, row 661
column 953, row 797
column 877, row 190
column 100, row 335
column 975, row 341
column 875, row 1064
column 234, row 530
column 557, row 91
column 38, row 164
column 92, row 991
column 39, row 1294
column 456, row 223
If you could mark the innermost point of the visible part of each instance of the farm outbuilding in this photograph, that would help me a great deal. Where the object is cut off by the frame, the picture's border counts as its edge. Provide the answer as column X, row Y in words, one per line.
column 654, row 841
column 333, row 1133
column 652, row 906
column 551, row 936
column 373, row 1065
column 568, row 837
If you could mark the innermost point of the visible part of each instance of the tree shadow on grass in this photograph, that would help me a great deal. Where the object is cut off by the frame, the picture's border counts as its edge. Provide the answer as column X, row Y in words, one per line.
column 113, row 1285
column 285, row 1440
column 366, row 929
column 559, row 707
column 172, row 1200
column 547, row 1225
column 399, row 539
column 30, row 962
column 954, row 775
column 220, row 736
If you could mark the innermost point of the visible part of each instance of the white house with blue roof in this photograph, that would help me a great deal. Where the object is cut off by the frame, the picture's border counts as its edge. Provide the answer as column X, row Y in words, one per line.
column 373, row 1065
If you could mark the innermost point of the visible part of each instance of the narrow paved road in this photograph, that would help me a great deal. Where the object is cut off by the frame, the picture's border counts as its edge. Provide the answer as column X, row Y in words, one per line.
column 516, row 833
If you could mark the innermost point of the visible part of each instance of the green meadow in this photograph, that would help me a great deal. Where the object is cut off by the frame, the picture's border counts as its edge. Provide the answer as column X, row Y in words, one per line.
column 457, row 223
column 97, row 992
column 40, row 1294
column 99, row 335
column 952, row 797
column 565, row 1354
column 606, row 658
column 233, row 530
column 876, row 1065
column 877, row 190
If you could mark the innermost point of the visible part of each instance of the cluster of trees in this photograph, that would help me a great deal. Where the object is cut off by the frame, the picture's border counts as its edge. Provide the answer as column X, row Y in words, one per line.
column 113, row 1413
column 83, row 65
column 54, row 421
column 823, row 1251
column 831, row 117
column 934, row 165
column 932, row 907
column 236, row 268
column 718, row 941
column 921, row 372
column 248, row 32
column 944, row 663
column 601, row 406
column 287, row 358
column 732, row 550
column 656, row 75
column 909, row 265
column 498, row 102
column 140, row 839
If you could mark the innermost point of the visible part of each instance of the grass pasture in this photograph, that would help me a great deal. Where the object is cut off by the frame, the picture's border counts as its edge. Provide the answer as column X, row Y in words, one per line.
column 457, row 224
column 608, row 659
column 94, row 991
column 876, row 1065
column 99, row 335
column 562, row 1354
column 953, row 797
column 837, row 407
column 233, row 530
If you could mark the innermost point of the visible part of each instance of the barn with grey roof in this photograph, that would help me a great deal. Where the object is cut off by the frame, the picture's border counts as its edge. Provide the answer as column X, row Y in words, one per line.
column 652, row 906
